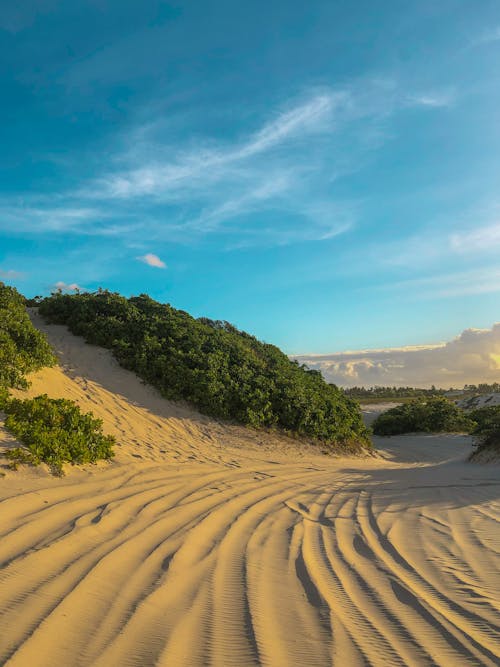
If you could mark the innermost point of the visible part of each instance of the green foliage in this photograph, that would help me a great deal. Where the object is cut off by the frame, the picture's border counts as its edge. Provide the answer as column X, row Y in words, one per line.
column 486, row 430
column 372, row 393
column 392, row 392
column 55, row 432
column 433, row 415
column 22, row 347
column 487, row 420
column 222, row 371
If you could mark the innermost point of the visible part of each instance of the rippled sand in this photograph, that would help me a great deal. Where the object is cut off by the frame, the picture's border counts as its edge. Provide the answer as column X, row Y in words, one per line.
column 204, row 544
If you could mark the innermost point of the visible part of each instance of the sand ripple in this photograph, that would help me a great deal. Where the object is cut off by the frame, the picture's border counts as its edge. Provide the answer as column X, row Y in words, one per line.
column 202, row 553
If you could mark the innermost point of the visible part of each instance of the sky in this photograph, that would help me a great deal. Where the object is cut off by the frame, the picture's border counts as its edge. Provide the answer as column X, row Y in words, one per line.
column 473, row 357
column 323, row 175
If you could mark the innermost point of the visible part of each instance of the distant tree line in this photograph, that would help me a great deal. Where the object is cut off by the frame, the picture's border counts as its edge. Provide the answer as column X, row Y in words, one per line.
column 403, row 392
column 222, row 371
column 437, row 414
column 482, row 388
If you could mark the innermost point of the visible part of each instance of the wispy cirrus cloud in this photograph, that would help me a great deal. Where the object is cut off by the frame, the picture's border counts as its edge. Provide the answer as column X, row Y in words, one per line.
column 487, row 36
column 42, row 214
column 433, row 98
column 486, row 237
column 273, row 185
column 485, row 280
column 203, row 165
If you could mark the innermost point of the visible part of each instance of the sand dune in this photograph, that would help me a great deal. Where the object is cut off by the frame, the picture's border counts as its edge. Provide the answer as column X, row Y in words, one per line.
column 204, row 544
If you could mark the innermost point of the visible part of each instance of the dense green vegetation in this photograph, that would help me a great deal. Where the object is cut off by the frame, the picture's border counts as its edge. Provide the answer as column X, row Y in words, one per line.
column 22, row 347
column 486, row 430
column 391, row 392
column 55, row 432
column 435, row 414
column 224, row 372
column 487, row 419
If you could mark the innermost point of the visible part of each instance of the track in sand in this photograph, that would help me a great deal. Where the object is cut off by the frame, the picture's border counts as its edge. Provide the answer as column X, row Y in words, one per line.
column 208, row 545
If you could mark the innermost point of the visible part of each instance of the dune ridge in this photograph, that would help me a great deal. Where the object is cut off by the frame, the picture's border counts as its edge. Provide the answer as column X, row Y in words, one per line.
column 208, row 544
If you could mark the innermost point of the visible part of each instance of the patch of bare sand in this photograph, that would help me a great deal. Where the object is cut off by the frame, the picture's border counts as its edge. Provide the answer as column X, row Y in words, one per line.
column 209, row 545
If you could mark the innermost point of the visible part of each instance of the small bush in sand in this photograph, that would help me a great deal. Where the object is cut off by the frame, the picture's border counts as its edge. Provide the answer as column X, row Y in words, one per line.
column 431, row 415
column 487, row 432
column 55, row 432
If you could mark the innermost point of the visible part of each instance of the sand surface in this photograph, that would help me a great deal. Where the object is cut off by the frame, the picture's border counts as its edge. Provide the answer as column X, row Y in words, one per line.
column 203, row 544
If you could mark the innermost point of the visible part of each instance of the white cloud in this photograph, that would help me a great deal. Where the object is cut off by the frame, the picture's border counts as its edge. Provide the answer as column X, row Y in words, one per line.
column 492, row 35
column 42, row 215
column 67, row 287
column 10, row 274
column 432, row 99
column 476, row 281
column 283, row 170
column 471, row 357
column 483, row 238
column 152, row 260
column 204, row 165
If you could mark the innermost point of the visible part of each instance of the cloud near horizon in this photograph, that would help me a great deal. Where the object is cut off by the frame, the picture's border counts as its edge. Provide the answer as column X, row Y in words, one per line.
column 152, row 260
column 470, row 358
column 67, row 287
column 10, row 274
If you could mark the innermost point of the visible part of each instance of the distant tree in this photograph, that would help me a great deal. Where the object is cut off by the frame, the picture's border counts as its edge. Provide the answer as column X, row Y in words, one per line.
column 435, row 414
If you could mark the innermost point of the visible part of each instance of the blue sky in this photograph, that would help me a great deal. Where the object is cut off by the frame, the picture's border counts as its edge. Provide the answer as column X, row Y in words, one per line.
column 324, row 175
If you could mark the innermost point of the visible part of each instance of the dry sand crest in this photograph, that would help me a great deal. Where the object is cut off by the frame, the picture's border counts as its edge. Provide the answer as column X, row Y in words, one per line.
column 204, row 544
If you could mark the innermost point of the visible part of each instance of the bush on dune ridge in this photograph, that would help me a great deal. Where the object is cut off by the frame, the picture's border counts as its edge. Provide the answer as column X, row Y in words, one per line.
column 487, row 431
column 222, row 371
column 53, row 430
column 23, row 348
column 432, row 415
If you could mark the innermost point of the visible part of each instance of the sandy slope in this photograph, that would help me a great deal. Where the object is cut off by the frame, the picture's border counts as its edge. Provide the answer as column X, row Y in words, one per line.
column 482, row 401
column 209, row 545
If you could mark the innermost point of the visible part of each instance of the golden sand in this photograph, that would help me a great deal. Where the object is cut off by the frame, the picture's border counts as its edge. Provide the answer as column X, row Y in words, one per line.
column 206, row 544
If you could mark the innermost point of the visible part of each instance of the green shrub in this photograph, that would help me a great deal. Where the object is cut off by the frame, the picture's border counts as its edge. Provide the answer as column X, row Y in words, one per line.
column 432, row 415
column 487, row 420
column 22, row 347
column 224, row 372
column 486, row 430
column 55, row 432
column 488, row 443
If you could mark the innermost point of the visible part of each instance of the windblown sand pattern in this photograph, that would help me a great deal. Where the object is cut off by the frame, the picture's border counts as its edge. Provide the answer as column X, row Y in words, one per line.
column 207, row 545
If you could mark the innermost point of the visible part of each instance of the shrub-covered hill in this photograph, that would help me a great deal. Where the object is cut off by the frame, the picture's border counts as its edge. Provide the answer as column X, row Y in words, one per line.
column 22, row 347
column 435, row 414
column 224, row 372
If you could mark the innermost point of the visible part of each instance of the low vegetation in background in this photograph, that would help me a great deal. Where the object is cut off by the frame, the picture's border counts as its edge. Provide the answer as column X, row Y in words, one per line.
column 378, row 394
column 435, row 414
column 54, row 431
column 23, row 348
column 486, row 430
column 222, row 371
